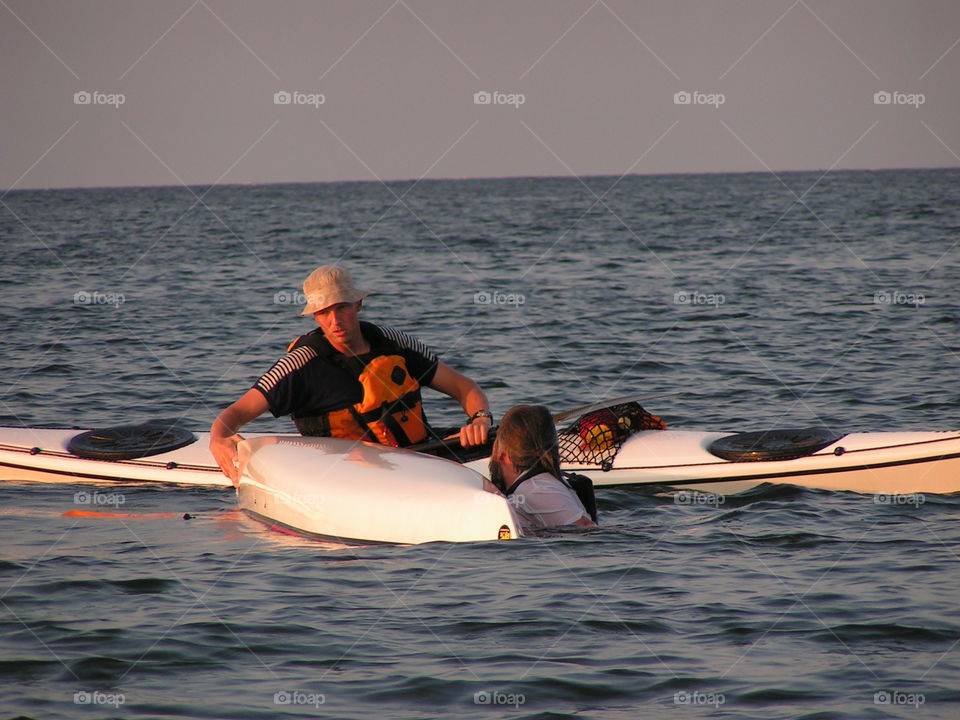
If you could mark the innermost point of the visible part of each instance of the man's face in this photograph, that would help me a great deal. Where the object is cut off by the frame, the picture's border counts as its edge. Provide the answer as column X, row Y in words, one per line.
column 340, row 323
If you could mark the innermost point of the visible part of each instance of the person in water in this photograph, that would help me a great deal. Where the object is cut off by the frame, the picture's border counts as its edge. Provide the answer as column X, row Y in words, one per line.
column 350, row 379
column 525, row 466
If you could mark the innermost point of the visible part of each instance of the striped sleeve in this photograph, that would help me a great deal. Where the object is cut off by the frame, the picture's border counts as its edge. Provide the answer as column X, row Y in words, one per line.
column 409, row 342
column 289, row 363
column 421, row 361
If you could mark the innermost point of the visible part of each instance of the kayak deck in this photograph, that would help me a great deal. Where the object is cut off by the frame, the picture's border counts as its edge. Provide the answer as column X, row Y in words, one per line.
column 871, row 463
column 41, row 455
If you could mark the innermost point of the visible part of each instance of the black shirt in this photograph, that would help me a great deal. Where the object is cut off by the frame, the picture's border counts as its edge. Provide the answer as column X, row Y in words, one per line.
column 306, row 383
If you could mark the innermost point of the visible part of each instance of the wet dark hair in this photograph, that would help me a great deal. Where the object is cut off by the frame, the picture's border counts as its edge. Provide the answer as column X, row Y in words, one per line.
column 529, row 438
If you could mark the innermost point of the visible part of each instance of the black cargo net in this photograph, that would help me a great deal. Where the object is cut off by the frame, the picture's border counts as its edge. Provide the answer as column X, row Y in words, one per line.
column 596, row 437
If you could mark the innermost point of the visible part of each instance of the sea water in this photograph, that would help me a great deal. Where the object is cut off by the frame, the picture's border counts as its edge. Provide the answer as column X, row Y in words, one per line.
column 726, row 302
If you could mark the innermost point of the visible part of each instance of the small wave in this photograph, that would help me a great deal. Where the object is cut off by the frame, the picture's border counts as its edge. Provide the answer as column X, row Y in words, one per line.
column 25, row 670
column 56, row 369
column 98, row 667
column 764, row 696
column 771, row 491
column 692, row 684
column 618, row 574
column 891, row 633
column 572, row 690
column 413, row 689
column 144, row 586
column 644, row 627
column 71, row 586
column 793, row 540
column 136, row 586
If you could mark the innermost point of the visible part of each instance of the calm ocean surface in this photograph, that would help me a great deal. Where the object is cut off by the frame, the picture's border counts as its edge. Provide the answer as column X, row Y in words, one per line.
column 728, row 302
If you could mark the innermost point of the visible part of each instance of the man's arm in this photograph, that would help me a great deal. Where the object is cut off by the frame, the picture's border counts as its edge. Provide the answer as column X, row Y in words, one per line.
column 471, row 399
column 223, row 432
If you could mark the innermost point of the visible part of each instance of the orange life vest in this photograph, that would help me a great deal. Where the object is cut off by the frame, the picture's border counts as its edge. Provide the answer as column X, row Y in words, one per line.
column 391, row 411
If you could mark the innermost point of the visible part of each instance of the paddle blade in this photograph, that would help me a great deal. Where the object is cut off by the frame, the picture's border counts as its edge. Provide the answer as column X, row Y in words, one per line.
column 601, row 405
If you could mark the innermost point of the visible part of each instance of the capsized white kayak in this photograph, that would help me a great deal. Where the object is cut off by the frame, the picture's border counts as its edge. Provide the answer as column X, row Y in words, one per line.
column 349, row 490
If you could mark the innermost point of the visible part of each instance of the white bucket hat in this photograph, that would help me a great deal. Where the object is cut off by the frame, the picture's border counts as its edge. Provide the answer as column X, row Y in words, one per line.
column 329, row 285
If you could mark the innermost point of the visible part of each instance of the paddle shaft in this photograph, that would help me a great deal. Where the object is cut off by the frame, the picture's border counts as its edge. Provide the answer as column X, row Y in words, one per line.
column 452, row 443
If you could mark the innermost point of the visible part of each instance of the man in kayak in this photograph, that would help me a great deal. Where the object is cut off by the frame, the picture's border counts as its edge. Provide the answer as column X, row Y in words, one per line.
column 525, row 466
column 350, row 379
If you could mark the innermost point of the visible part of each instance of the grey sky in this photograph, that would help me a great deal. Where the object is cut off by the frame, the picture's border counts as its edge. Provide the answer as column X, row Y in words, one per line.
column 797, row 81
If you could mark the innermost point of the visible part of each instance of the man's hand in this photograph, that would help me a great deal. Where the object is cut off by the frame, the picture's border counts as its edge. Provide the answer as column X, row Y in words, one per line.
column 471, row 399
column 224, row 450
column 475, row 433
column 223, row 433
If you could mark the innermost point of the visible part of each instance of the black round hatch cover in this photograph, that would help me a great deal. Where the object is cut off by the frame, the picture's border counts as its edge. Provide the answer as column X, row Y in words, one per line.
column 773, row 444
column 126, row 442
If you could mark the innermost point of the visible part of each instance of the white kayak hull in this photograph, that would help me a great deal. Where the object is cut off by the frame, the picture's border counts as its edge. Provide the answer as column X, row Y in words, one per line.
column 357, row 491
column 872, row 463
